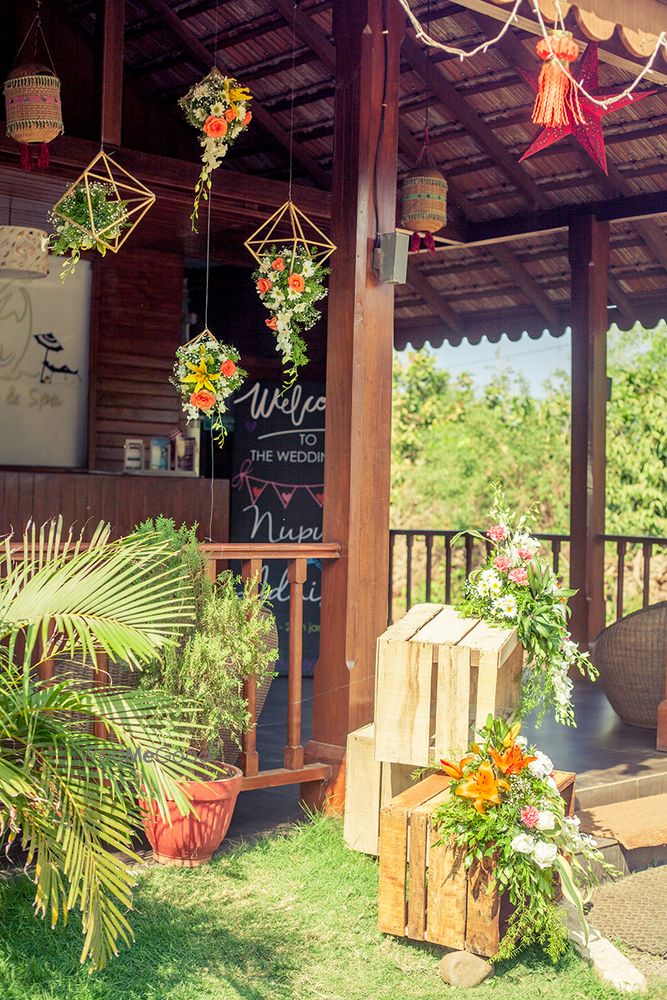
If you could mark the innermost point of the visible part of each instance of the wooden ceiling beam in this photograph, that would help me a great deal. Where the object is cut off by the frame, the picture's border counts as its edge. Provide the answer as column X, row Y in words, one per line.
column 433, row 299
column 112, row 40
column 204, row 58
column 524, row 279
column 476, row 127
column 613, row 58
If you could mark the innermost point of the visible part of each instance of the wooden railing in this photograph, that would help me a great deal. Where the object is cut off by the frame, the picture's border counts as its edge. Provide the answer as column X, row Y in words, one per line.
column 252, row 557
column 425, row 566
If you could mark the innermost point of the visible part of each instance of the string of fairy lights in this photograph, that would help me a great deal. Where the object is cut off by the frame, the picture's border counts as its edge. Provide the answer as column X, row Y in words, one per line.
column 423, row 34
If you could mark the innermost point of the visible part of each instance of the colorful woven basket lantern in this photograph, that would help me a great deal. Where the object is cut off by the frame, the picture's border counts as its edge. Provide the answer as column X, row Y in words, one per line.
column 424, row 200
column 32, row 110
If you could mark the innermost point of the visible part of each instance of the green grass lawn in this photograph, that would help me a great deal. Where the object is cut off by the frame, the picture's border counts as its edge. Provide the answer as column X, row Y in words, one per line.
column 292, row 916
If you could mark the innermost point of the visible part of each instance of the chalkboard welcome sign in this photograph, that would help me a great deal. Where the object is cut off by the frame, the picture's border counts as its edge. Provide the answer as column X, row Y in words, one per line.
column 277, row 491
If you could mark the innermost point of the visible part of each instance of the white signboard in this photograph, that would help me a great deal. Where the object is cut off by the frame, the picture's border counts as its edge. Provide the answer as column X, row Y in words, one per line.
column 44, row 368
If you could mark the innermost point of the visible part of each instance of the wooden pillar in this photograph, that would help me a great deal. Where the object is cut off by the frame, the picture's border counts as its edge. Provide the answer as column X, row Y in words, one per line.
column 359, row 378
column 589, row 261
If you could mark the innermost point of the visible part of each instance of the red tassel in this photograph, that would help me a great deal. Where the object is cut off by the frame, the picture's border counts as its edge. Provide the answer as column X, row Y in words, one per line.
column 43, row 159
column 26, row 158
column 415, row 243
column 429, row 242
column 557, row 101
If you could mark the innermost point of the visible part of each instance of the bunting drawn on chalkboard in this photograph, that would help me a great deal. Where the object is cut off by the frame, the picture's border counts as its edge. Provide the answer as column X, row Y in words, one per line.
column 285, row 492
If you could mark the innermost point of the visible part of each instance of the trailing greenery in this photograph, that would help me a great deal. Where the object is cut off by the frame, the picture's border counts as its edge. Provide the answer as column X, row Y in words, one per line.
column 505, row 812
column 516, row 586
column 72, row 224
column 68, row 797
column 228, row 641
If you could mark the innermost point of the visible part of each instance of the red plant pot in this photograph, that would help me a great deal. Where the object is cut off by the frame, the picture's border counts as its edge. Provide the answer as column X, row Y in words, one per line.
column 190, row 841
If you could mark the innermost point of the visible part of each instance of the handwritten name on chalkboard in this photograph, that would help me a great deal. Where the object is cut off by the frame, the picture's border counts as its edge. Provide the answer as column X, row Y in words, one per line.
column 277, row 490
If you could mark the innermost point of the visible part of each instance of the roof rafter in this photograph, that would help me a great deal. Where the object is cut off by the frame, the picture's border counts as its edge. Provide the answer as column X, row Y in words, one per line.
column 204, row 58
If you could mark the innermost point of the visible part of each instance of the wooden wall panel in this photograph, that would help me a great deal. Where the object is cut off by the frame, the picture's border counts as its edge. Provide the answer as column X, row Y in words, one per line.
column 86, row 498
column 137, row 310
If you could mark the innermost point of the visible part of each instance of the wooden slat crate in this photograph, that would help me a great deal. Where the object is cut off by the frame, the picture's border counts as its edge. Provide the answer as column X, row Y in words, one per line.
column 425, row 892
column 369, row 785
column 437, row 677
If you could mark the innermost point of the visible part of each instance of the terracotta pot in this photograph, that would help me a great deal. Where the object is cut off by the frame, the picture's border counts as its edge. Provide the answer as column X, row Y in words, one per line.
column 189, row 841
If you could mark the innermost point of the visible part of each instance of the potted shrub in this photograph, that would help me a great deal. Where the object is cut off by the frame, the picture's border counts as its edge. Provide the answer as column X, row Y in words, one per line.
column 230, row 640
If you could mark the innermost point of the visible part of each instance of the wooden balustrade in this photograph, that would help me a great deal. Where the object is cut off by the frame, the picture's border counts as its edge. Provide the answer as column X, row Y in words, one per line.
column 252, row 557
column 424, row 566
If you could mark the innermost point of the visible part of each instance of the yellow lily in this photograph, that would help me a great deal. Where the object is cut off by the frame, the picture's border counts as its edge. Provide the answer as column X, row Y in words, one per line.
column 201, row 378
column 483, row 788
column 512, row 734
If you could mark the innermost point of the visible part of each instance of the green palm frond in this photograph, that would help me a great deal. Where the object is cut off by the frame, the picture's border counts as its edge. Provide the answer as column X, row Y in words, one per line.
column 127, row 598
column 72, row 798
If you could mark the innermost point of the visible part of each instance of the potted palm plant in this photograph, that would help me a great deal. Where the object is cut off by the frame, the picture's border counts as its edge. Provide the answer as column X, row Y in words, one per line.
column 230, row 639
column 69, row 797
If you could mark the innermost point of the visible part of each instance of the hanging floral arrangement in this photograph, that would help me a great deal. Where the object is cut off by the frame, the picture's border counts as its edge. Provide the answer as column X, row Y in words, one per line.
column 86, row 212
column 289, row 282
column 205, row 374
column 504, row 811
column 217, row 107
column 516, row 586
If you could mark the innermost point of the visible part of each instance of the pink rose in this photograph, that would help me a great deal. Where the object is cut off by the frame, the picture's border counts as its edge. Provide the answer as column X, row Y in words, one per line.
column 502, row 563
column 518, row 576
column 530, row 816
column 497, row 533
column 525, row 553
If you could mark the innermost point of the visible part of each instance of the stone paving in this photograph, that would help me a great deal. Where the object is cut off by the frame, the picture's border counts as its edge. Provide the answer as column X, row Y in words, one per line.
column 633, row 913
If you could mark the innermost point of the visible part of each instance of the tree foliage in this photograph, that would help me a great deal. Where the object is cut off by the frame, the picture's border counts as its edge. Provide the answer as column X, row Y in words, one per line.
column 451, row 441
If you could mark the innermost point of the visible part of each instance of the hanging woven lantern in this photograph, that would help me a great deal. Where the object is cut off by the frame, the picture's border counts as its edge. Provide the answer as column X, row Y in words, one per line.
column 23, row 252
column 32, row 109
column 424, row 200
column 557, row 101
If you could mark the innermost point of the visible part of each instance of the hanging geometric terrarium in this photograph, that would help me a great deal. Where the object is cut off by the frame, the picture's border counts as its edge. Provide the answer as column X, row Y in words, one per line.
column 290, row 251
column 99, row 210
column 290, row 227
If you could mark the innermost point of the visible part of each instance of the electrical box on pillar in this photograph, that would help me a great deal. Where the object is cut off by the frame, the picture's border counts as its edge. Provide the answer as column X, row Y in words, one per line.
column 390, row 258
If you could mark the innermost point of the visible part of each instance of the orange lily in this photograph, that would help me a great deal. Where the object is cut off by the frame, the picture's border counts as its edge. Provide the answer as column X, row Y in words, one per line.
column 483, row 787
column 455, row 770
column 512, row 761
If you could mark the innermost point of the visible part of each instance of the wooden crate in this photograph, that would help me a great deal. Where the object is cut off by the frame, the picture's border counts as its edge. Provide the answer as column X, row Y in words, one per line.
column 369, row 785
column 438, row 676
column 425, row 892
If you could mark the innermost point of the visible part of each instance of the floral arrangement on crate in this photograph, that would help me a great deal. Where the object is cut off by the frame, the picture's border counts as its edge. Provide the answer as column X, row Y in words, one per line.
column 506, row 813
column 206, row 373
column 217, row 107
column 289, row 283
column 77, row 220
column 518, row 587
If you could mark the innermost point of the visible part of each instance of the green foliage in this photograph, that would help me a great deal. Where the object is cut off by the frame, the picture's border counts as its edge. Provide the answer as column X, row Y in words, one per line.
column 71, row 798
column 227, row 642
column 452, row 441
column 72, row 234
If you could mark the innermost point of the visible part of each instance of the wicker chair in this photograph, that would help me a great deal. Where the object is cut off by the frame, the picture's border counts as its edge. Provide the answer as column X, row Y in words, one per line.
column 631, row 656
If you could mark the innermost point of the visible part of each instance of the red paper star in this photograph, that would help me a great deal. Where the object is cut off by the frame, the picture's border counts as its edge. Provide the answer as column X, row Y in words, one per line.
column 589, row 135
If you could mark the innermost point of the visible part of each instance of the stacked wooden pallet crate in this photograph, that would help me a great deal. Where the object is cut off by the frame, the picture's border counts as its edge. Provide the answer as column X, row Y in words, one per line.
column 438, row 676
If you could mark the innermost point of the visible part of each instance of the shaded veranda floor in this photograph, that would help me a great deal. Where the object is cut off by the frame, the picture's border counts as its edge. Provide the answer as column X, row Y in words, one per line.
column 613, row 762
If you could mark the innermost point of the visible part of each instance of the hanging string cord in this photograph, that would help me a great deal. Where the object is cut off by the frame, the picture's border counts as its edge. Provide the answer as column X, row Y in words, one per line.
column 423, row 36
column 291, row 106
column 36, row 24
column 208, row 256
column 383, row 109
column 210, row 515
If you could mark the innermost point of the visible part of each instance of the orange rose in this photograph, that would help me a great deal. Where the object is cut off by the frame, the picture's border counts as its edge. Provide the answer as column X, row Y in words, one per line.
column 248, row 118
column 230, row 114
column 228, row 368
column 203, row 399
column 272, row 323
column 296, row 282
column 278, row 264
column 264, row 286
column 215, row 127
